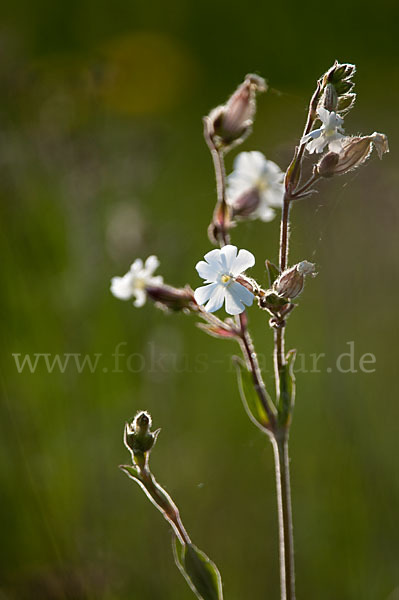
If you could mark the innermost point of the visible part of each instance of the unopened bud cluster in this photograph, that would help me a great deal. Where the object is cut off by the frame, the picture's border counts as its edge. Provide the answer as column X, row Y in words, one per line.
column 231, row 123
column 337, row 86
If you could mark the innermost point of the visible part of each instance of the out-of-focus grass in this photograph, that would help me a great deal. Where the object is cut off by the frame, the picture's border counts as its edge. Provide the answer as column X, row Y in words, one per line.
column 101, row 160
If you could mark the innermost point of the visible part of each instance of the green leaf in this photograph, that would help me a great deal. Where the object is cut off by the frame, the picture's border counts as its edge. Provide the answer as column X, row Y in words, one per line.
column 131, row 472
column 252, row 404
column 272, row 271
column 199, row 571
column 293, row 173
column 287, row 389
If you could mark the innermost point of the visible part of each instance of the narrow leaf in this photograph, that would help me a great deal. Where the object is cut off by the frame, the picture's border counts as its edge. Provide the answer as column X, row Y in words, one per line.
column 250, row 398
column 287, row 388
column 131, row 472
column 272, row 271
column 293, row 173
column 199, row 571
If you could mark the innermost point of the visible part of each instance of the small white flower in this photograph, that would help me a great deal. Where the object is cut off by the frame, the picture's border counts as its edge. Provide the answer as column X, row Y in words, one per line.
column 220, row 271
column 255, row 186
column 330, row 133
column 136, row 280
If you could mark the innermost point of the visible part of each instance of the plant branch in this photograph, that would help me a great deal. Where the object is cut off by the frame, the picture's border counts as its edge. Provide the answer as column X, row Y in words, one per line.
column 306, row 187
column 221, row 215
column 284, row 233
column 251, row 359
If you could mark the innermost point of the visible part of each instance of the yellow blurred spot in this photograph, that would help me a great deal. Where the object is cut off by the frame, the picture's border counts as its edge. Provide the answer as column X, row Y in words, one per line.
column 145, row 73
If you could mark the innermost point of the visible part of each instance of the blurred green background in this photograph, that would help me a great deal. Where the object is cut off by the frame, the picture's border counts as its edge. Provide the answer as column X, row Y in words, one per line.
column 102, row 160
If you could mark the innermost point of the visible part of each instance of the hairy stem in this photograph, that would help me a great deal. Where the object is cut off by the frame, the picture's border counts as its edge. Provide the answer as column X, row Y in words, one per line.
column 222, row 211
column 249, row 353
column 221, row 215
column 164, row 503
column 284, row 233
column 279, row 356
column 286, row 539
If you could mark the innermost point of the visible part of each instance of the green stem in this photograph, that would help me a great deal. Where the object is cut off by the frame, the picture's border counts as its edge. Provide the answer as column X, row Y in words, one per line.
column 284, row 509
column 284, row 233
column 164, row 503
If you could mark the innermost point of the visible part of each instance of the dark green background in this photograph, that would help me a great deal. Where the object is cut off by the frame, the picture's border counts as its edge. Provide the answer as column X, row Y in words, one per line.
column 102, row 160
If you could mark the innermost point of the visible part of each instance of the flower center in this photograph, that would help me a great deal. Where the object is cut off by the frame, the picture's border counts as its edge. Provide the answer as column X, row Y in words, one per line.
column 262, row 184
column 330, row 132
column 225, row 279
column 140, row 283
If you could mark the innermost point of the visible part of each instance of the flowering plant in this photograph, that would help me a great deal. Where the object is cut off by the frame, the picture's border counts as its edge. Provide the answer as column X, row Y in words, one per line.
column 256, row 189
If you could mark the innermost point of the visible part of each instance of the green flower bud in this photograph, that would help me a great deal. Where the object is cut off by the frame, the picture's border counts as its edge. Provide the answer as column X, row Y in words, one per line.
column 139, row 439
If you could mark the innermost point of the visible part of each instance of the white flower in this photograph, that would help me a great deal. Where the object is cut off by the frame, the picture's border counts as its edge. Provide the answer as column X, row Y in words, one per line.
column 136, row 280
column 330, row 133
column 255, row 186
column 220, row 271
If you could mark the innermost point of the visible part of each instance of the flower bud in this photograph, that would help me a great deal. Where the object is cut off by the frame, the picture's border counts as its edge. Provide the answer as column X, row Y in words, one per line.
column 339, row 72
column 139, row 439
column 327, row 165
column 330, row 98
column 167, row 297
column 231, row 123
column 246, row 204
column 355, row 151
column 345, row 103
column 290, row 283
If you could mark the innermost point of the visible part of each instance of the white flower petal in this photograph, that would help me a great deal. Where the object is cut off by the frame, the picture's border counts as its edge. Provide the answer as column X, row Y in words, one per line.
column 151, row 264
column 203, row 293
column 335, row 145
column 317, row 145
column 244, row 261
column 213, row 258
column 265, row 213
column 258, row 160
column 274, row 196
column 249, row 163
column 121, row 287
column 272, row 172
column 227, row 257
column 137, row 266
column 324, row 115
column 207, row 271
column 141, row 297
column 311, row 136
column 236, row 297
column 217, row 298
column 157, row 280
